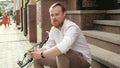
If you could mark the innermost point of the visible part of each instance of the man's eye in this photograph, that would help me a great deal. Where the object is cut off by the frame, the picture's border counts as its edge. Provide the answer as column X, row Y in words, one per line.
column 56, row 14
column 52, row 15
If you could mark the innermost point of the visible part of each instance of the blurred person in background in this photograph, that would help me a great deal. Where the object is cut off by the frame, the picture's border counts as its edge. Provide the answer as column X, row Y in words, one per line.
column 5, row 19
column 11, row 19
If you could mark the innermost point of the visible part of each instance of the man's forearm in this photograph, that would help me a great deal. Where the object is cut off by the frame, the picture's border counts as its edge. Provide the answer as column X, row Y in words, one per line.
column 54, row 51
column 42, row 49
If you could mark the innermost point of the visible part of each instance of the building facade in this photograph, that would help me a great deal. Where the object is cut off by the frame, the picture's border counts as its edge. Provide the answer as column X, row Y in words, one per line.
column 32, row 17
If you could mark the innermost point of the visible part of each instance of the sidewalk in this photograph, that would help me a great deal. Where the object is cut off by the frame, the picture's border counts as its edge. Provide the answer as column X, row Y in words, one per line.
column 13, row 45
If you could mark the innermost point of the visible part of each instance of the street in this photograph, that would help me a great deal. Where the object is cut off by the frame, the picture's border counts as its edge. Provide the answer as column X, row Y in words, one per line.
column 13, row 45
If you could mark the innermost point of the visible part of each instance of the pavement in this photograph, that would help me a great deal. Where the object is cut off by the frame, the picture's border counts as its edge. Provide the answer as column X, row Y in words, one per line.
column 13, row 45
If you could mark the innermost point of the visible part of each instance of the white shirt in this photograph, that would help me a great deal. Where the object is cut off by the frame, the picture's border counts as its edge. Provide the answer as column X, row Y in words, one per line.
column 69, row 36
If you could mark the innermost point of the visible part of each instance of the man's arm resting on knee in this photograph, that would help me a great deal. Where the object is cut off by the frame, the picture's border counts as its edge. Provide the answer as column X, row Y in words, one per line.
column 54, row 51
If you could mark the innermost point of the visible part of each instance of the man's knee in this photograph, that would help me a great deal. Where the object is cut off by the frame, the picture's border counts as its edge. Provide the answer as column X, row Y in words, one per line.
column 37, row 64
column 62, row 61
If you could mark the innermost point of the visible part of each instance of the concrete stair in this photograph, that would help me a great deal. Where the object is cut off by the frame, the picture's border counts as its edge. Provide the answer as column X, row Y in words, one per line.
column 108, row 22
column 104, row 42
column 109, row 41
column 107, row 58
column 112, row 26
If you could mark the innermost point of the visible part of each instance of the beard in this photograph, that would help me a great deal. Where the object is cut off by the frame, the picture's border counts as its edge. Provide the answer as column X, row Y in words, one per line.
column 55, row 24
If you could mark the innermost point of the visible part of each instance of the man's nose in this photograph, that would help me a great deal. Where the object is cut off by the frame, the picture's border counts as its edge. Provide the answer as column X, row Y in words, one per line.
column 54, row 17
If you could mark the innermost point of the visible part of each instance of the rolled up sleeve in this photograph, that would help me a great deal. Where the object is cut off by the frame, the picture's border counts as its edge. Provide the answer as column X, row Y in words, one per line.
column 68, row 39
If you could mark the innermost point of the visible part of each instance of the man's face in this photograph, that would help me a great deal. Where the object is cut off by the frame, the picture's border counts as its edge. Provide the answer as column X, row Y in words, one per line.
column 57, row 16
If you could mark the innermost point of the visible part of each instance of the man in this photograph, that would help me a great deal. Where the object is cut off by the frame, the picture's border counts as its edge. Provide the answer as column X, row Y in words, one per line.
column 66, row 46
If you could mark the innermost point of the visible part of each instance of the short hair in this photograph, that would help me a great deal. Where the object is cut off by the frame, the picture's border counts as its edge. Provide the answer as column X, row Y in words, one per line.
column 58, row 4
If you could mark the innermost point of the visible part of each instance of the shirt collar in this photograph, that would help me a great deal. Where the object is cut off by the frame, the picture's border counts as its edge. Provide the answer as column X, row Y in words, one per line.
column 62, row 25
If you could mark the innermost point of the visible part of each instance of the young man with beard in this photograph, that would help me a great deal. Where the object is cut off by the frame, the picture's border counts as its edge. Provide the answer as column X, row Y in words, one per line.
column 66, row 46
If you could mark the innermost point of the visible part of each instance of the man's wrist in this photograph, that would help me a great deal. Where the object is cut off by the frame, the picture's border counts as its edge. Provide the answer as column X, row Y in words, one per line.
column 42, row 55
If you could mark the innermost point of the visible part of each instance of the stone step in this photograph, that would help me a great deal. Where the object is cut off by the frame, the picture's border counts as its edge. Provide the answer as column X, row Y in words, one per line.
column 104, row 40
column 112, row 26
column 114, row 11
column 113, row 14
column 108, row 22
column 105, row 57
column 110, row 37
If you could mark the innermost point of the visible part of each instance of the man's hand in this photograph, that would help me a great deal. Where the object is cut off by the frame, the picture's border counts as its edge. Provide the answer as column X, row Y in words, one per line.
column 35, row 53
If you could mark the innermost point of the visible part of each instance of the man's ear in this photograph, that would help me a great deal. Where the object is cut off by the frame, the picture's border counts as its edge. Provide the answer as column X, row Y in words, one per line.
column 64, row 13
